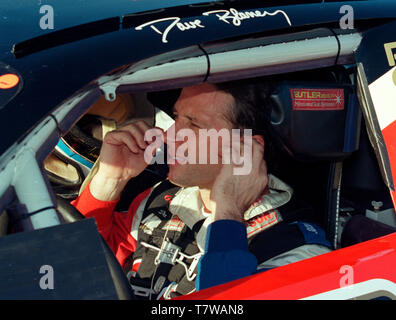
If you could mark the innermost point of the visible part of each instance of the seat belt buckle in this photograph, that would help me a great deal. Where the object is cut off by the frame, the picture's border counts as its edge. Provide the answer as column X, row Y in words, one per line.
column 142, row 291
column 167, row 254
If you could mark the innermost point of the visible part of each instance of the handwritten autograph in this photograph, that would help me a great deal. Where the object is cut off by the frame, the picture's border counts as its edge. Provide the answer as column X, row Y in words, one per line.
column 175, row 22
column 227, row 16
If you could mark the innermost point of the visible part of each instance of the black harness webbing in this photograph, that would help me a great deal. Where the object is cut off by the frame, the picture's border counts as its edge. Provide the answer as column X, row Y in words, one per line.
column 168, row 253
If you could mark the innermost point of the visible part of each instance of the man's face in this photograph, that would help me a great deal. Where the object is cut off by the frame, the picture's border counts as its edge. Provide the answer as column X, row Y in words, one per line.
column 198, row 108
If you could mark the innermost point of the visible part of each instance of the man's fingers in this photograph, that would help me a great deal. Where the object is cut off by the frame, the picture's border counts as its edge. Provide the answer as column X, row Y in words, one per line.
column 138, row 134
column 143, row 125
column 122, row 137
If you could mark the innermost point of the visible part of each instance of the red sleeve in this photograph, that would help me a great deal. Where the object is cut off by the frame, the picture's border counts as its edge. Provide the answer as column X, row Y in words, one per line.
column 115, row 227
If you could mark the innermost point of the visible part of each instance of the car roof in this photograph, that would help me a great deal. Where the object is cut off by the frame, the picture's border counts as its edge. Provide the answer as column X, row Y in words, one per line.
column 99, row 36
column 21, row 17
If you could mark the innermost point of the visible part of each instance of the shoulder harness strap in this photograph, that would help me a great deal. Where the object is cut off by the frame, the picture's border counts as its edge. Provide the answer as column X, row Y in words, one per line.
column 159, row 199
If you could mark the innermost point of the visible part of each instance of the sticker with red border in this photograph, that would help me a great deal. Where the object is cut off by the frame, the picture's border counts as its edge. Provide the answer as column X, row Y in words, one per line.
column 261, row 222
column 317, row 99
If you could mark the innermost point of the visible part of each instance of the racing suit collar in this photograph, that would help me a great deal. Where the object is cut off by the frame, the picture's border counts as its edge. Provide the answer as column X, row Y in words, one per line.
column 279, row 194
column 187, row 204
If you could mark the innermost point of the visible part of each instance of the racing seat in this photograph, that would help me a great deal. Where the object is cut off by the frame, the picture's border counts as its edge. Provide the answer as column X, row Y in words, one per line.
column 315, row 122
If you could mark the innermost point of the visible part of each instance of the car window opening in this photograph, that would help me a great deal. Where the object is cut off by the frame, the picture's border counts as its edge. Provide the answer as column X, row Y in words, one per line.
column 321, row 153
column 319, row 156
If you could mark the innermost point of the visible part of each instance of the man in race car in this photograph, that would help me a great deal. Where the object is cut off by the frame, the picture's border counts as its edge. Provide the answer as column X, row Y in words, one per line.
column 204, row 225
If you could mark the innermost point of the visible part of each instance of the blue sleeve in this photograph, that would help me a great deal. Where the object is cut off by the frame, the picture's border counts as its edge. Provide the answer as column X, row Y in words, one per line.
column 226, row 255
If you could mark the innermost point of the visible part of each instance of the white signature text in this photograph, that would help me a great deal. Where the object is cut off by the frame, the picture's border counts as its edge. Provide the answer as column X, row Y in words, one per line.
column 227, row 16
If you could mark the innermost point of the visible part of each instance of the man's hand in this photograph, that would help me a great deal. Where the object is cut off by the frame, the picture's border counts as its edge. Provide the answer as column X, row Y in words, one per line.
column 231, row 194
column 121, row 158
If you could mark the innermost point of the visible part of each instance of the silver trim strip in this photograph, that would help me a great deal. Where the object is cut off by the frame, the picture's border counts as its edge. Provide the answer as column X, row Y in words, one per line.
column 261, row 57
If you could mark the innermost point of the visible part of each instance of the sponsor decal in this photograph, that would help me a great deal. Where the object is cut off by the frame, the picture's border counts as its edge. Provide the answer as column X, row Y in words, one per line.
column 11, row 83
column 168, row 198
column 162, row 213
column 150, row 223
column 383, row 95
column 261, row 222
column 389, row 53
column 317, row 99
column 175, row 224
column 8, row 81
column 394, row 77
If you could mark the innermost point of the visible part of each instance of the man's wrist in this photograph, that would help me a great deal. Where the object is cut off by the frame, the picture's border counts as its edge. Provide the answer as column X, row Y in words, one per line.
column 106, row 189
column 228, row 213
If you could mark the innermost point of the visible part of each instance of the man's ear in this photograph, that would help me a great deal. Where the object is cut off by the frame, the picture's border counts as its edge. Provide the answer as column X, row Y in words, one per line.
column 259, row 139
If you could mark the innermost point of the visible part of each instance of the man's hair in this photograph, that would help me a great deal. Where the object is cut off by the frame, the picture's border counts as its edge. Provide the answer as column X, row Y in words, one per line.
column 252, row 109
